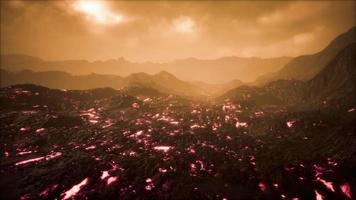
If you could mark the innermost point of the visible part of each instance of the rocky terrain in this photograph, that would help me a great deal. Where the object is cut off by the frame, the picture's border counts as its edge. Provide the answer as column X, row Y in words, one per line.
column 306, row 67
column 288, row 139
column 107, row 144
column 233, row 100
column 335, row 85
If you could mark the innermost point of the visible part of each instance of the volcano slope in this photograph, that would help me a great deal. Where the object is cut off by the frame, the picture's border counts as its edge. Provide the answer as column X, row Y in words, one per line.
column 106, row 144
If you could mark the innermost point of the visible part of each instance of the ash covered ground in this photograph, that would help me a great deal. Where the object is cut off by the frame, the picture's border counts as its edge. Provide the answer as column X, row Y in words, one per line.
column 108, row 144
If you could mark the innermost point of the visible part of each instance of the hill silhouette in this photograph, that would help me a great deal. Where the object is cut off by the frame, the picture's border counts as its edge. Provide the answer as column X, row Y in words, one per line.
column 334, row 84
column 163, row 82
column 219, row 70
column 305, row 67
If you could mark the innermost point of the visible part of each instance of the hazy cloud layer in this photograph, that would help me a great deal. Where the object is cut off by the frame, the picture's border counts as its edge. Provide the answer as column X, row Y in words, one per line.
column 161, row 31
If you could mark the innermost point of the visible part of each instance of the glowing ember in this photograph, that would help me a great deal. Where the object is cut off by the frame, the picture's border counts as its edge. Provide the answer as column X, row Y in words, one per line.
column 75, row 189
column 138, row 133
column 148, row 187
column 136, row 105
column 201, row 163
column 290, row 123
column 318, row 196
column 29, row 161
column 93, row 121
column 25, row 197
column 90, row 147
column 162, row 170
column 262, row 186
column 48, row 157
column 53, row 155
column 227, row 118
column 91, row 115
column 162, row 148
column 195, row 126
column 332, row 162
column 147, row 100
column 345, row 188
column 104, row 175
column 327, row 184
column 351, row 110
column 193, row 169
column 23, row 129
column 191, row 150
column 111, row 180
column 174, row 122
column 259, row 114
column 45, row 192
column 318, row 170
column 24, row 152
column 108, row 123
column 40, row 130
column 150, row 184
column 241, row 124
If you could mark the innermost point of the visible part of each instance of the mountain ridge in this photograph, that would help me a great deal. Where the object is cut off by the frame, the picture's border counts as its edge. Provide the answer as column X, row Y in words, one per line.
column 305, row 67
column 335, row 84
column 211, row 71
column 163, row 82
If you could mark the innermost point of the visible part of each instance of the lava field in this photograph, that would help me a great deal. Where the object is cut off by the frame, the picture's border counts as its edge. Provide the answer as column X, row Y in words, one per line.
column 106, row 144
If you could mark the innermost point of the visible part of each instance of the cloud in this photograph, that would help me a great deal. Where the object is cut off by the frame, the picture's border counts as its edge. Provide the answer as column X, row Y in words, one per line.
column 184, row 24
column 304, row 38
column 97, row 11
column 293, row 13
column 16, row 3
column 163, row 31
column 294, row 45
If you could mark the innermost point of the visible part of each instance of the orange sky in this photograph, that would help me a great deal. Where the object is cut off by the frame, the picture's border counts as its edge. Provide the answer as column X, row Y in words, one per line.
column 163, row 31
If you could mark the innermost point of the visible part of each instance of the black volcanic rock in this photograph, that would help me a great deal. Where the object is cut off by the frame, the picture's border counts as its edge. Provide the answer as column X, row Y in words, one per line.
column 281, row 92
column 169, row 148
column 337, row 81
column 307, row 66
column 29, row 97
column 64, row 120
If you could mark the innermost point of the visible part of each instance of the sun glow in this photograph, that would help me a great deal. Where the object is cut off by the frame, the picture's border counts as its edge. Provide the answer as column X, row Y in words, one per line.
column 184, row 24
column 97, row 11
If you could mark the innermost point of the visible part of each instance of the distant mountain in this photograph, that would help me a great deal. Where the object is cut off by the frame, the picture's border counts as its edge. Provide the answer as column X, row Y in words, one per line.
column 337, row 81
column 281, row 92
column 225, row 69
column 307, row 66
column 216, row 89
column 29, row 95
column 60, row 80
column 142, row 91
column 211, row 71
column 335, row 84
column 162, row 82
